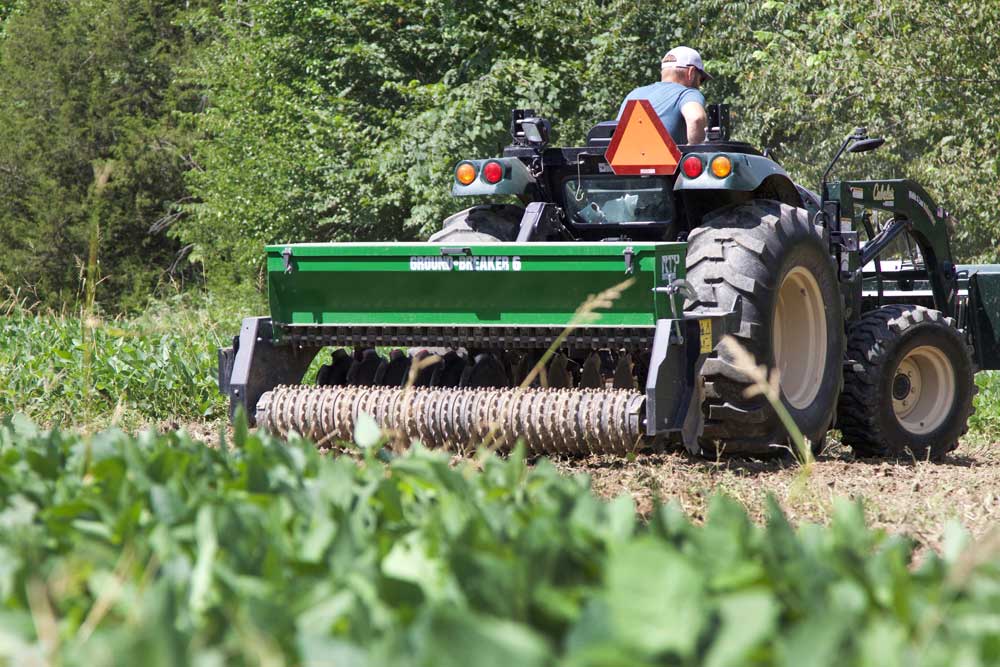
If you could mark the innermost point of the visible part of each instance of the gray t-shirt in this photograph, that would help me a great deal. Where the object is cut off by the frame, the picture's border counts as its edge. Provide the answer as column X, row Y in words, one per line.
column 667, row 99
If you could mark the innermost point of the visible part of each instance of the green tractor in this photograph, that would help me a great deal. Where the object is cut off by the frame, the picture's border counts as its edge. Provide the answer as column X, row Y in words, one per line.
column 852, row 295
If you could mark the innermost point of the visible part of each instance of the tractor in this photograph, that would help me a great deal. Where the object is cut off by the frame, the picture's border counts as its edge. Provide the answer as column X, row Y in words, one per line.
column 851, row 293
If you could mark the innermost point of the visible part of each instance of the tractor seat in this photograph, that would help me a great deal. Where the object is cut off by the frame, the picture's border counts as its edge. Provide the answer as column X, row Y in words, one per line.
column 600, row 134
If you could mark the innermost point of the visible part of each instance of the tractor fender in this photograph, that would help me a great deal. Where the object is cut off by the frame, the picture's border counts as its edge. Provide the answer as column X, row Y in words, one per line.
column 516, row 179
column 748, row 173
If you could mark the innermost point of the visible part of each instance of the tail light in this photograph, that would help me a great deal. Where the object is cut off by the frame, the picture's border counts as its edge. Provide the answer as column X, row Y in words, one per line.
column 466, row 173
column 692, row 166
column 493, row 172
column 722, row 166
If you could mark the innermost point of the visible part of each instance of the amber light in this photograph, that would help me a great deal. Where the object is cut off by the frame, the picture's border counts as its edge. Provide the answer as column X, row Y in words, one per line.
column 465, row 173
column 692, row 166
column 722, row 166
column 493, row 172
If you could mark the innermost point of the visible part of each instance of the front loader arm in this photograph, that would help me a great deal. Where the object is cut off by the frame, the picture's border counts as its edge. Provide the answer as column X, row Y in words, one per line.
column 918, row 215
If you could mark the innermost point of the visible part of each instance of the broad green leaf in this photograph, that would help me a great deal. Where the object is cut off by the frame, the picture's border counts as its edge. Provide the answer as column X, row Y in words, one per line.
column 655, row 598
column 955, row 541
column 883, row 644
column 410, row 560
column 453, row 638
column 321, row 532
column 319, row 651
column 366, row 431
column 748, row 620
column 201, row 577
column 19, row 512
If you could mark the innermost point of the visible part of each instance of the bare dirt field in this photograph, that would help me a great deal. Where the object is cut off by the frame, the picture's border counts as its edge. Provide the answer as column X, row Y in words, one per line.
column 915, row 497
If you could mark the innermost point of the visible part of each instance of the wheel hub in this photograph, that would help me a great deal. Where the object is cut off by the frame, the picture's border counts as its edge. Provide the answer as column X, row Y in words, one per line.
column 901, row 386
column 923, row 389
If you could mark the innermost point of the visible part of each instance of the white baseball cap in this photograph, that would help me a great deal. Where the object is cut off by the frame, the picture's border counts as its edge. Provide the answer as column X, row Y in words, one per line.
column 683, row 56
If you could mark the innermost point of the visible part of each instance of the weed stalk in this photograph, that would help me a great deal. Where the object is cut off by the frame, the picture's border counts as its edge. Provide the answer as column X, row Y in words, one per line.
column 88, row 318
column 768, row 385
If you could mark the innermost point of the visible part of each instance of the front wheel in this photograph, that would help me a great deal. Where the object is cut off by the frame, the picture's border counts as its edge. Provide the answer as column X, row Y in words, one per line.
column 908, row 386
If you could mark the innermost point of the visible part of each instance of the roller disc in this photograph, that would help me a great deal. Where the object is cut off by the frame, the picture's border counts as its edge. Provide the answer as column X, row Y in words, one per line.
column 568, row 421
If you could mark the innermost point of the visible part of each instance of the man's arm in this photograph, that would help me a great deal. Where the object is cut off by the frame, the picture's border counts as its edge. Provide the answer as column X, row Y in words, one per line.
column 696, row 120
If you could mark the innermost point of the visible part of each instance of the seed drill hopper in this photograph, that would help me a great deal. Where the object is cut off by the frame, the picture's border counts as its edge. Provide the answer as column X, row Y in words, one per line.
column 587, row 317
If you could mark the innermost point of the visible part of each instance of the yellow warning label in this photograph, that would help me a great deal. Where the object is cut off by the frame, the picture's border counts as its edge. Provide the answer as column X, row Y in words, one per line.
column 706, row 335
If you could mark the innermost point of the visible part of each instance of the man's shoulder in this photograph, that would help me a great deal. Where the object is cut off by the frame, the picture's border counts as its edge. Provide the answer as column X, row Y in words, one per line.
column 660, row 87
column 668, row 92
column 642, row 91
column 691, row 95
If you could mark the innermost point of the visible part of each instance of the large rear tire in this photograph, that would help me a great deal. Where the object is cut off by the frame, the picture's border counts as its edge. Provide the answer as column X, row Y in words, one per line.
column 909, row 385
column 768, row 260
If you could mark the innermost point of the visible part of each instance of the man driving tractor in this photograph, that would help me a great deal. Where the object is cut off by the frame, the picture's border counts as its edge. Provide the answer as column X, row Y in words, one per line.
column 676, row 98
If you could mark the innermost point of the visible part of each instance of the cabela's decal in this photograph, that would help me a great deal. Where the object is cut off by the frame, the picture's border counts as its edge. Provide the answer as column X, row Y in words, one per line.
column 484, row 263
column 922, row 204
column 882, row 193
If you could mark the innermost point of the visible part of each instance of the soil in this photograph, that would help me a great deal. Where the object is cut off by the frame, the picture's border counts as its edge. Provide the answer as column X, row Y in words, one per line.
column 901, row 496
column 907, row 496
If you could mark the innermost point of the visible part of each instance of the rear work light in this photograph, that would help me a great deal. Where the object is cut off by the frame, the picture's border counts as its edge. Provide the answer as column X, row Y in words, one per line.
column 493, row 172
column 465, row 173
column 692, row 166
column 722, row 166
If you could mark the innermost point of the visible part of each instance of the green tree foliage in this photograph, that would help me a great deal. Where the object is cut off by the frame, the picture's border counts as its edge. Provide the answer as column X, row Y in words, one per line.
column 8, row 7
column 342, row 119
column 336, row 119
column 924, row 74
column 90, row 157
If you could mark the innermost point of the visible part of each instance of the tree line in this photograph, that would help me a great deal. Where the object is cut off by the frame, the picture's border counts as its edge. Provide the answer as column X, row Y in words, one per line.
column 167, row 142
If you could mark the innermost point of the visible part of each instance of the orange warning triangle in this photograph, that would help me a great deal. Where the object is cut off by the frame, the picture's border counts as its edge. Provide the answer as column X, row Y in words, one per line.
column 641, row 145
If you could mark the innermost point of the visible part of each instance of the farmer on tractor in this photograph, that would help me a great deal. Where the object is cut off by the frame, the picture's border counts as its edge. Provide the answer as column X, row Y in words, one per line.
column 676, row 98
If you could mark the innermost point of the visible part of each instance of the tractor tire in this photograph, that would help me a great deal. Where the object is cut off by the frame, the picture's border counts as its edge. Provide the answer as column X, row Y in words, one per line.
column 767, row 260
column 908, row 384
column 486, row 223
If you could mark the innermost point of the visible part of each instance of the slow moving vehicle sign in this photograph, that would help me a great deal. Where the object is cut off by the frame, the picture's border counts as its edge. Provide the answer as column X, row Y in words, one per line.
column 641, row 145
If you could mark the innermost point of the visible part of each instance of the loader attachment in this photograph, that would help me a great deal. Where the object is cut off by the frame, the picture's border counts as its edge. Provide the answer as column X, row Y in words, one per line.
column 438, row 343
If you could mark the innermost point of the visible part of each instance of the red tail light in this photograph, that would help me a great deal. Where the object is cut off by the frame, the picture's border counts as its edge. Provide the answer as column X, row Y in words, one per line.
column 692, row 166
column 493, row 172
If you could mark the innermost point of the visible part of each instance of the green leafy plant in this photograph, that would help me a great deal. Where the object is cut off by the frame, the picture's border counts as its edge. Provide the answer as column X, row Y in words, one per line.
column 159, row 550
column 985, row 423
column 85, row 370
